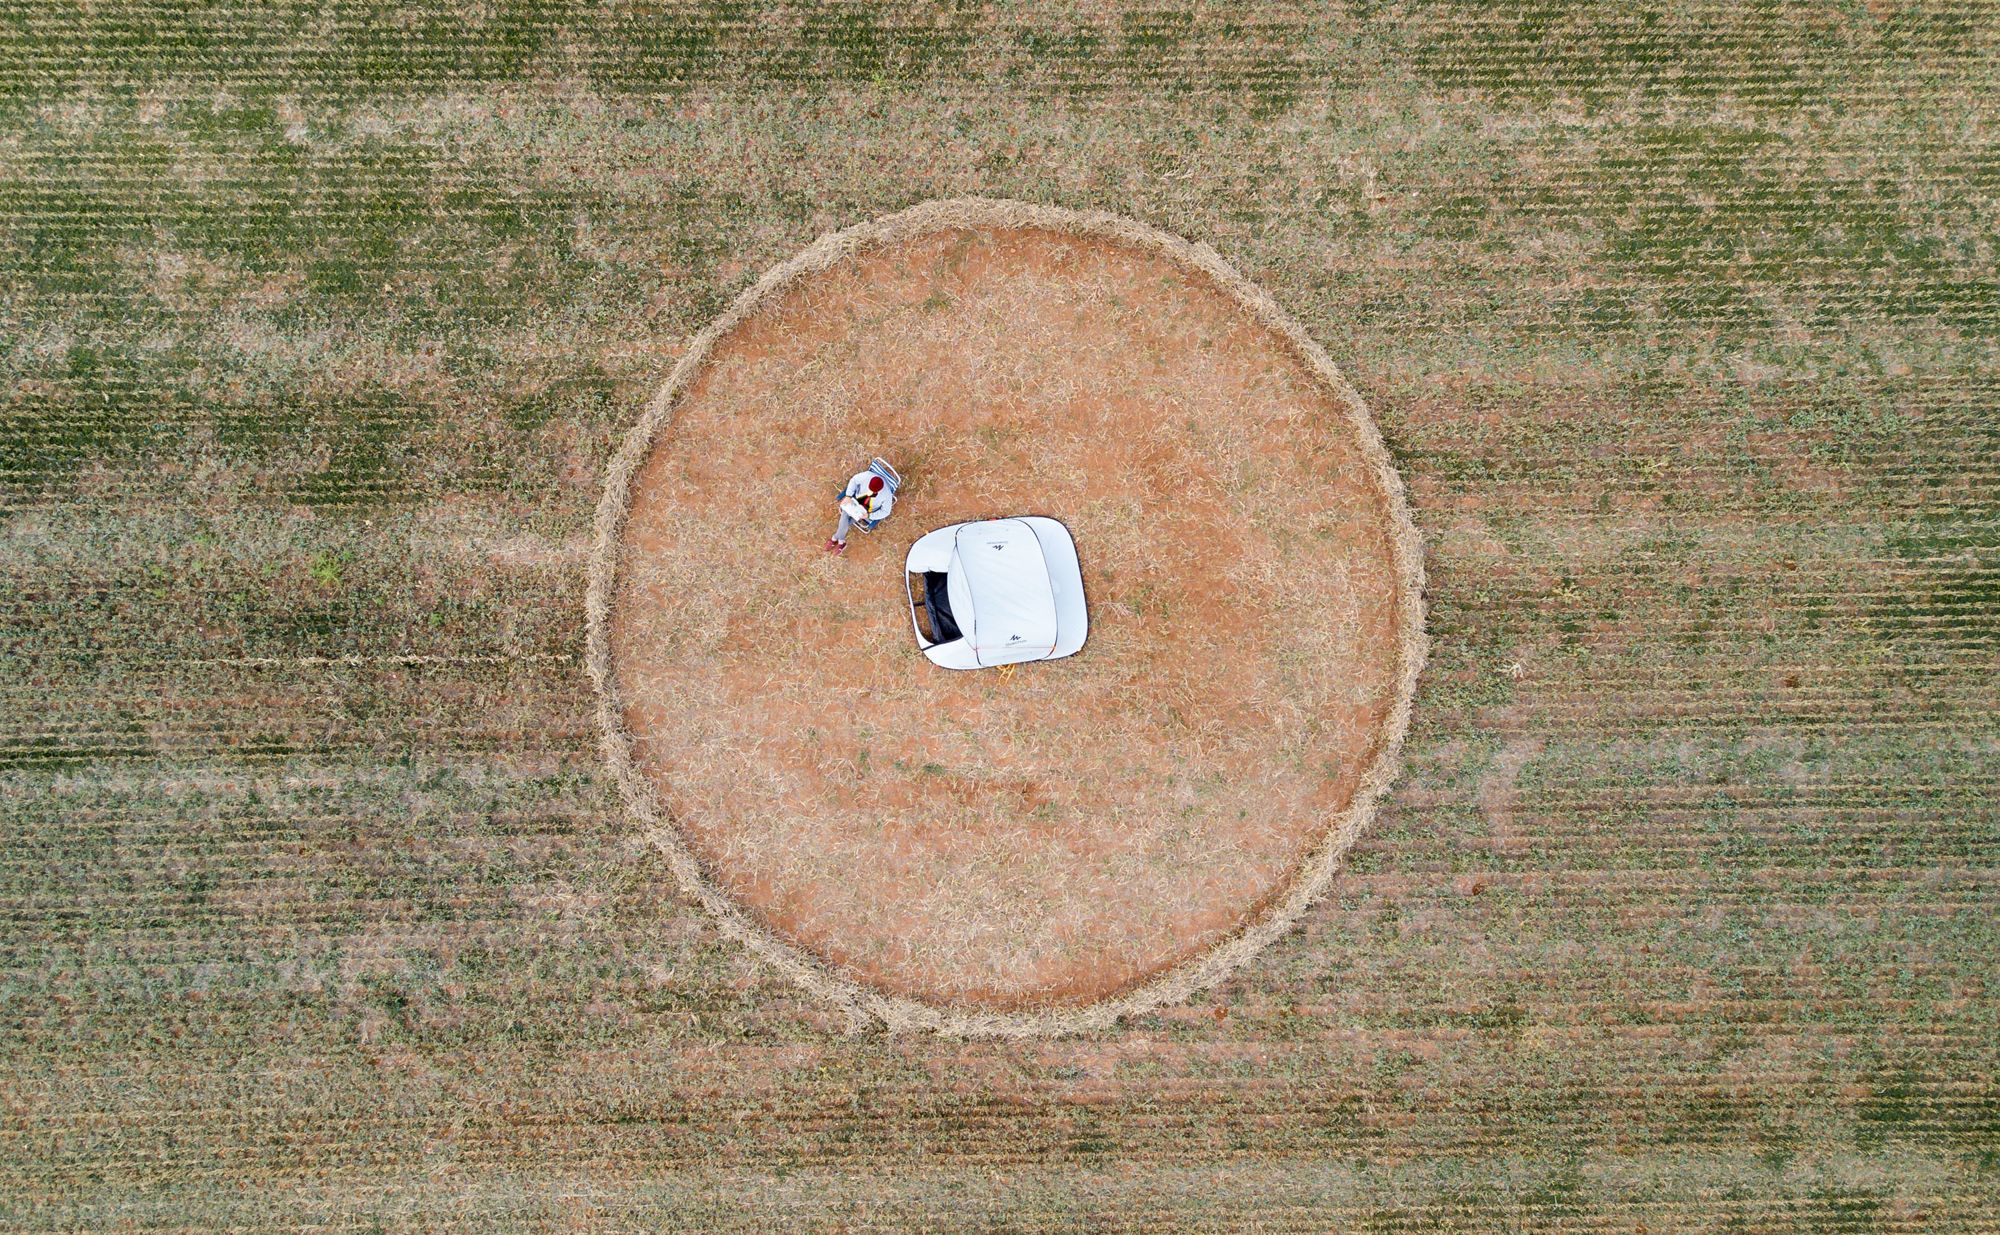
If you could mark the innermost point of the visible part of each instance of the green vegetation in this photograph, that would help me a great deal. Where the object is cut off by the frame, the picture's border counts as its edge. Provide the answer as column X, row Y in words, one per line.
column 319, row 321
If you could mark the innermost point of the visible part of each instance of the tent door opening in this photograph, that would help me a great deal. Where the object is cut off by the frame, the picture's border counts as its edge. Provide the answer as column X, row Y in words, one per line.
column 933, row 607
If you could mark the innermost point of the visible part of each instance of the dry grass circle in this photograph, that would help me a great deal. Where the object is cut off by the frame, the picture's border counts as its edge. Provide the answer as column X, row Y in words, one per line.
column 1050, row 850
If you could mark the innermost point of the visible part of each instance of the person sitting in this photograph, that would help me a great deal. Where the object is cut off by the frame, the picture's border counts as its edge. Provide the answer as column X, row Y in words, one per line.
column 864, row 503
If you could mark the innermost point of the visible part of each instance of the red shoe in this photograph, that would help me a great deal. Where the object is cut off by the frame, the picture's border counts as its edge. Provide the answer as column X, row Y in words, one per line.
column 835, row 546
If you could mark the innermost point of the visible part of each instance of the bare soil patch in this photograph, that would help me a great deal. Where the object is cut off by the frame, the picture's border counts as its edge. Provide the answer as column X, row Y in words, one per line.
column 1045, row 848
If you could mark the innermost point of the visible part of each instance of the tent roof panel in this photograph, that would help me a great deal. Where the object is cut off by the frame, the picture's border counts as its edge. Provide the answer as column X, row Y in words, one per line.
column 1013, row 605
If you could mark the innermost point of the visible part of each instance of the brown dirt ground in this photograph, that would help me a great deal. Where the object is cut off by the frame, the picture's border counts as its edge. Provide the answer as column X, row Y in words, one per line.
column 1055, row 835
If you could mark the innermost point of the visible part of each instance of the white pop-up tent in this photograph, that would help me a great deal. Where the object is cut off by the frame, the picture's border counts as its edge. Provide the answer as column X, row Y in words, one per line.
column 996, row 592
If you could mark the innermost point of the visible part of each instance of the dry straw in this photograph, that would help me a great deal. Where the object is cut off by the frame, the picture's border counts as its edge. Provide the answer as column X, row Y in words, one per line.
column 862, row 1004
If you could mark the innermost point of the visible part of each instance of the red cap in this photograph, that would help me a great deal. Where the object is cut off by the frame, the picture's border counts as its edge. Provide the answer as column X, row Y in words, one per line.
column 874, row 484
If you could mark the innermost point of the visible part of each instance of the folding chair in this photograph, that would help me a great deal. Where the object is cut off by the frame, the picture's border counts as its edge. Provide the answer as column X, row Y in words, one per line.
column 891, row 479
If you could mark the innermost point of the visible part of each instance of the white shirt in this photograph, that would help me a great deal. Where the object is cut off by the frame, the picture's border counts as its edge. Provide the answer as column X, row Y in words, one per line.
column 877, row 504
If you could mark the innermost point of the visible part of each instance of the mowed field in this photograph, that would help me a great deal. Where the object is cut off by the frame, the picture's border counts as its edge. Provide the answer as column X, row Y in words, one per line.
column 319, row 322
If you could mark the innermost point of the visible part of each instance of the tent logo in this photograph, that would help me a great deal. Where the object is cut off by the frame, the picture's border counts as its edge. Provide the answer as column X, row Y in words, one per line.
column 1014, row 639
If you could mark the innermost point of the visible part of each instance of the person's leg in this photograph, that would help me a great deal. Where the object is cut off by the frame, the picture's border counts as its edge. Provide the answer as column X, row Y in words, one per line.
column 839, row 539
